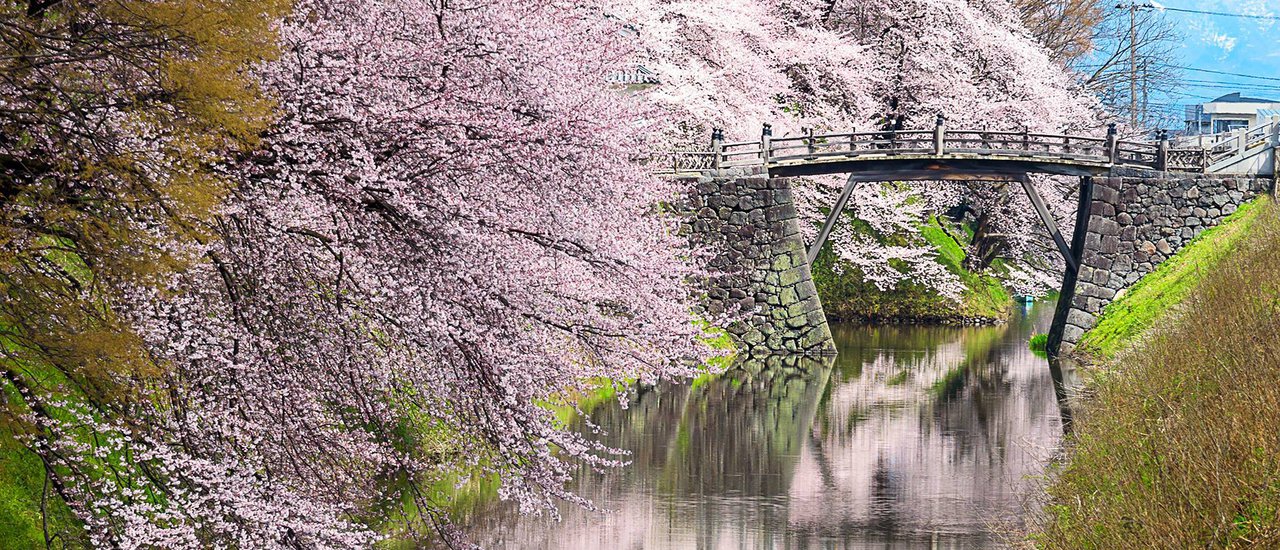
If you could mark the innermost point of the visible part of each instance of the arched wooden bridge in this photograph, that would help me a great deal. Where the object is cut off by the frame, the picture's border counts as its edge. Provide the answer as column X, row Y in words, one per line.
column 977, row 155
column 942, row 153
column 961, row 154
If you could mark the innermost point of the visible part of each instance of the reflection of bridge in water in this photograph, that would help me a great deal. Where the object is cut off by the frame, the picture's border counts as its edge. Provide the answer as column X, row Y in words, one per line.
column 913, row 435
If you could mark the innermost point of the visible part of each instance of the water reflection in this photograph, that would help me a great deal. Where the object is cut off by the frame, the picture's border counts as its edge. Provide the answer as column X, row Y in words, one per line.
column 913, row 436
column 1067, row 384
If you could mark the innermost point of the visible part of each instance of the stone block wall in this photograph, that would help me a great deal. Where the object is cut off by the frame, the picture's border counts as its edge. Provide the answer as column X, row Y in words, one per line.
column 1138, row 221
column 749, row 223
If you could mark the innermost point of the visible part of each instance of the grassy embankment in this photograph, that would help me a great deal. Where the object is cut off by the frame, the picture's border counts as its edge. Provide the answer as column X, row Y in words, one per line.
column 846, row 296
column 1177, row 444
column 21, row 493
column 1171, row 283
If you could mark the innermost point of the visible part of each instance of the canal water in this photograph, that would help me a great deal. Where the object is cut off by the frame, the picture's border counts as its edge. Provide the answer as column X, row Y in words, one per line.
column 914, row 437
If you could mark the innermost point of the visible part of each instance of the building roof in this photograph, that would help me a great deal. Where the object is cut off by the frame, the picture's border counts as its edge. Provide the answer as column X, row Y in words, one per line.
column 634, row 75
column 1235, row 98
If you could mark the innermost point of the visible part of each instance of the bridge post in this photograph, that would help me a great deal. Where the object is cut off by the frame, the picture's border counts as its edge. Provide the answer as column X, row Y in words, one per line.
column 766, row 135
column 1275, row 155
column 832, row 217
column 1162, row 152
column 1050, row 225
column 1242, row 141
column 939, row 135
column 1113, row 144
column 717, row 147
column 810, row 142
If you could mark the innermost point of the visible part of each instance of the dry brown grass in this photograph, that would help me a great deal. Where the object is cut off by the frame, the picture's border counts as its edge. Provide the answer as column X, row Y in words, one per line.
column 1180, row 444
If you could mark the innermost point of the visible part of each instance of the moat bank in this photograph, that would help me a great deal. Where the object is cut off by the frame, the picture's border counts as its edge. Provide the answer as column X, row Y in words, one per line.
column 1174, row 444
column 848, row 297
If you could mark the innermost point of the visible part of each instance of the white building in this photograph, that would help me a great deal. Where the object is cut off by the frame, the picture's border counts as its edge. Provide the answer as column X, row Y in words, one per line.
column 1229, row 112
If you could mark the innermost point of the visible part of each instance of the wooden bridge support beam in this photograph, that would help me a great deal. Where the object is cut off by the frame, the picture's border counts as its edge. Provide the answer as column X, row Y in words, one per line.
column 832, row 218
column 1050, row 224
column 1084, row 205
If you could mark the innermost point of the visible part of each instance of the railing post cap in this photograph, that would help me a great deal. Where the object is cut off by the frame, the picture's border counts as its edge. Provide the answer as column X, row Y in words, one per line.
column 767, row 129
column 941, row 119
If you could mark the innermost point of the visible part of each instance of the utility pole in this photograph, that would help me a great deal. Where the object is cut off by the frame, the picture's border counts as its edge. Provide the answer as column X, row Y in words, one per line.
column 1146, row 108
column 1133, row 8
column 1133, row 65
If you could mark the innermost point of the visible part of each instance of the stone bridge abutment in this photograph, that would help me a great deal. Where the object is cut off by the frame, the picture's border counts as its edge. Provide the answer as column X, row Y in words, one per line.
column 748, row 222
column 1136, row 221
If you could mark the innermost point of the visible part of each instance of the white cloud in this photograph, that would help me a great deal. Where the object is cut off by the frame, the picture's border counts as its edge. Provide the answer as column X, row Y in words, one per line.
column 1224, row 41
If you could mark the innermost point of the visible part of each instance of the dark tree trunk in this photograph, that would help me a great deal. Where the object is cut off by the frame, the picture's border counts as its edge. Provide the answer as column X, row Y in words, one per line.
column 989, row 242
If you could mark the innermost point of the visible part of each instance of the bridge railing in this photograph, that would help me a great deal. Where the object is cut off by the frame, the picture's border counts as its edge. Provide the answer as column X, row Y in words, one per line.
column 945, row 142
column 1240, row 142
column 669, row 163
column 991, row 142
column 742, row 153
column 1137, row 153
column 811, row 146
column 1192, row 159
column 853, row 144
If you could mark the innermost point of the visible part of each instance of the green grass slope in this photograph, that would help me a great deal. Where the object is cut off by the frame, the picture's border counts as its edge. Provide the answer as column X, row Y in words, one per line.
column 22, row 490
column 1144, row 303
column 846, row 296
column 1177, row 445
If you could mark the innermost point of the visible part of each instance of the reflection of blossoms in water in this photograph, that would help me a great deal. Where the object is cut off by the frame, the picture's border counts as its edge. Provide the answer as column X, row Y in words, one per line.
column 914, row 435
column 940, row 436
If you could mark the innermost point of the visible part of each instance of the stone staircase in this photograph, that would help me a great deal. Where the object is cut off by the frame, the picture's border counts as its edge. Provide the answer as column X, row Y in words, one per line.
column 1247, row 151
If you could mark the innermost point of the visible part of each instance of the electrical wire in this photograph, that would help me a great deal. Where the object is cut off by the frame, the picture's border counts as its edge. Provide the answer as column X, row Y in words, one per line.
column 1193, row 69
column 1217, row 13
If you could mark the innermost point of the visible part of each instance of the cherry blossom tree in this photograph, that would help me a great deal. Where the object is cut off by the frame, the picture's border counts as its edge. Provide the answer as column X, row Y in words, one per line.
column 446, row 230
column 871, row 65
column 448, row 227
column 740, row 63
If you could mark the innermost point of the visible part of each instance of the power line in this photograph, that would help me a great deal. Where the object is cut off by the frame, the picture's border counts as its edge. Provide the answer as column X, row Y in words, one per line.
column 1220, row 72
column 1217, row 13
column 1233, row 89
column 1193, row 69
column 1247, row 85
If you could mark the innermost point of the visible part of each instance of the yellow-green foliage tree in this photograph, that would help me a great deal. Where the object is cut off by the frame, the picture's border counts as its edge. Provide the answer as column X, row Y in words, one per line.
column 113, row 115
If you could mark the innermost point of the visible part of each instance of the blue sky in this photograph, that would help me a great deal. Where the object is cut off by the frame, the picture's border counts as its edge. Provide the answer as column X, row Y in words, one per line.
column 1227, row 44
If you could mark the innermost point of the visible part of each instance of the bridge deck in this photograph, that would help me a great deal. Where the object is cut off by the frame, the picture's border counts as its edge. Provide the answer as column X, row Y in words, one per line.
column 942, row 153
column 951, row 166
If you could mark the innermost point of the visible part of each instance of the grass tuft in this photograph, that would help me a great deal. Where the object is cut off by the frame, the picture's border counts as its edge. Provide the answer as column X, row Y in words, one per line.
column 1039, row 344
